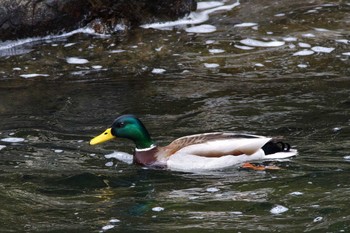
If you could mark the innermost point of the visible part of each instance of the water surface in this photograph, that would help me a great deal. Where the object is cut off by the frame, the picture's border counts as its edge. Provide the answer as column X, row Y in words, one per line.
column 275, row 68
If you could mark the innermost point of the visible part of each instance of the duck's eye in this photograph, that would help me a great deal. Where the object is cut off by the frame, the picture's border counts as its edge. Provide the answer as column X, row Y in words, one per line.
column 120, row 125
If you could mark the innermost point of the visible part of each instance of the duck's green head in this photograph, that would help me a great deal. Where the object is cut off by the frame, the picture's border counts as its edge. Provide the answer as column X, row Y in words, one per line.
column 126, row 126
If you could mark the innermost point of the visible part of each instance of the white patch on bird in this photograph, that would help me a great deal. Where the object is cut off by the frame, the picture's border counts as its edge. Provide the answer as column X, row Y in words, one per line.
column 226, row 146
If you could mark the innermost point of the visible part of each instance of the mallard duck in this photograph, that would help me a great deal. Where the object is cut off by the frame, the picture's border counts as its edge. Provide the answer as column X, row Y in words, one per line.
column 195, row 152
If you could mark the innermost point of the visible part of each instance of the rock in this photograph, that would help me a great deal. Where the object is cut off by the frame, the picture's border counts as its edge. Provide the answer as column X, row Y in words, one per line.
column 28, row 18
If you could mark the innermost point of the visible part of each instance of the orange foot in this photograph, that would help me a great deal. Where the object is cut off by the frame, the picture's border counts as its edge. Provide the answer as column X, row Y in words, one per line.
column 259, row 167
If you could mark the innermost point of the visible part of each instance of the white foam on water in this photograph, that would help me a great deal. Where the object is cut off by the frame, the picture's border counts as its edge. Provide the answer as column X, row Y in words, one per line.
column 114, row 220
column 345, row 41
column 290, row 39
column 308, row 35
column 243, row 47
column 2, row 147
column 330, row 4
column 12, row 139
column 76, row 60
column 347, row 157
column 258, row 43
column 278, row 209
column 241, row 25
column 33, row 75
column 296, row 193
column 58, row 151
column 210, row 42
column 302, row 66
column 318, row 219
column 320, row 49
column 321, row 30
column 157, row 209
column 304, row 52
column 259, row 65
column 117, row 51
column 346, row 54
column 304, row 45
column 212, row 190
column 69, row 44
column 97, row 67
column 208, row 5
column 159, row 49
column 196, row 17
column 16, row 68
column 158, row 71
column 120, row 27
column 107, row 227
column 211, row 65
column 311, row 11
column 280, row 14
column 109, row 164
column 121, row 156
column 204, row 28
column 216, row 51
column 11, row 44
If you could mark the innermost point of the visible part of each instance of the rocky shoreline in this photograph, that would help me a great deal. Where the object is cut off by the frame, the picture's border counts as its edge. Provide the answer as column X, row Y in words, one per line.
column 28, row 18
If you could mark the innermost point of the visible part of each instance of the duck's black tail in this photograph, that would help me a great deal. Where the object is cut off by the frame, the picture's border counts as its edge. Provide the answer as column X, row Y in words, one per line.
column 273, row 147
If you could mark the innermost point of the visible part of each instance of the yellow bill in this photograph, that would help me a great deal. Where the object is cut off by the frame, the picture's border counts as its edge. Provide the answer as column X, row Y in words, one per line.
column 103, row 137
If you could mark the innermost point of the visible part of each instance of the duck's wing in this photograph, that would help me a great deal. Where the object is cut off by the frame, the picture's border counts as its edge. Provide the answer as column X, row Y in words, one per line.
column 217, row 144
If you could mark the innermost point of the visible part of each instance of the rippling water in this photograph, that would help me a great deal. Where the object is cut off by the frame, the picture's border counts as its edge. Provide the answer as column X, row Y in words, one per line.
column 276, row 68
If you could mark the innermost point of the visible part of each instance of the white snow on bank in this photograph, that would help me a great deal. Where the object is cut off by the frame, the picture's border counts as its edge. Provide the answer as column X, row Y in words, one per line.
column 14, row 43
column 196, row 17
column 208, row 5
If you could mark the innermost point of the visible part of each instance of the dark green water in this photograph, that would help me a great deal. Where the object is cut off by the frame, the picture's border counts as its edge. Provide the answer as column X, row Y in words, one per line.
column 53, row 181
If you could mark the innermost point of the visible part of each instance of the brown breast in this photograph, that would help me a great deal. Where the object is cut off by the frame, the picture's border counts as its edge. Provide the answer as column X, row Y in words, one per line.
column 146, row 157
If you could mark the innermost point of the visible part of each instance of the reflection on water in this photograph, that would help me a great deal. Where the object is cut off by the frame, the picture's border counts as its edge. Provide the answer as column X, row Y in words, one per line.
column 281, row 70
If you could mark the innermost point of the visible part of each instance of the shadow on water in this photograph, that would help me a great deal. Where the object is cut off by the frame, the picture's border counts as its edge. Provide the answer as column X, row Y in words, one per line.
column 59, row 93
